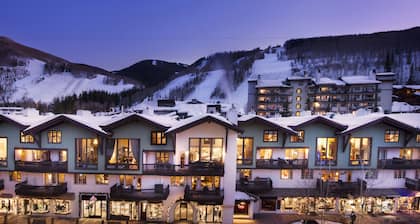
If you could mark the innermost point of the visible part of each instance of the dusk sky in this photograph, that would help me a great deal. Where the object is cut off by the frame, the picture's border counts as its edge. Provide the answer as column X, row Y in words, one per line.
column 116, row 34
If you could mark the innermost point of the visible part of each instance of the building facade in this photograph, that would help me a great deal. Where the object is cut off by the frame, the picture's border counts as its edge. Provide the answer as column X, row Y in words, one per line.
column 207, row 168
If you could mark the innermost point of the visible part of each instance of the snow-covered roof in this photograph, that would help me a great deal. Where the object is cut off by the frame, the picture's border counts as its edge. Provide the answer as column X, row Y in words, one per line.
column 295, row 77
column 359, row 79
column 398, row 107
column 273, row 122
column 242, row 196
column 416, row 87
column 271, row 83
column 192, row 121
column 161, row 120
column 329, row 81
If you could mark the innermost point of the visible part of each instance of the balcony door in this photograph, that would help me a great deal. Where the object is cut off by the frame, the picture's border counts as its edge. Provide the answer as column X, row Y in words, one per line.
column 183, row 212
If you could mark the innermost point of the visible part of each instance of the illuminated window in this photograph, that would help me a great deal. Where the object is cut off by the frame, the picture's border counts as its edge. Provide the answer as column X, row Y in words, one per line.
column 296, row 153
column 80, row 178
column 286, row 174
column 300, row 137
column 265, row 153
column 307, row 174
column 418, row 138
column 270, row 136
column 298, row 98
column 87, row 153
column 26, row 138
column 54, row 136
column 101, row 178
column 245, row 173
column 326, row 151
column 54, row 178
column 122, row 153
column 209, row 182
column 399, row 174
column 162, row 157
column 324, row 89
column 263, row 91
column 298, row 106
column 406, row 153
column 244, row 150
column 15, row 176
column 158, row 138
column 298, row 90
column 360, row 151
column 206, row 150
column 392, row 135
column 177, row 181
column 3, row 151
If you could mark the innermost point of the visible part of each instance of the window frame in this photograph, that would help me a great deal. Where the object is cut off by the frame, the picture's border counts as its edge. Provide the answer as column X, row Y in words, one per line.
column 4, row 163
column 328, row 162
column 290, row 175
column 388, row 132
column 155, row 140
column 297, row 138
column 244, row 161
column 54, row 135
column 266, row 132
column 365, row 162
column 212, row 139
column 84, row 150
column 79, row 181
column 124, row 166
column 307, row 174
column 105, row 179
column 25, row 138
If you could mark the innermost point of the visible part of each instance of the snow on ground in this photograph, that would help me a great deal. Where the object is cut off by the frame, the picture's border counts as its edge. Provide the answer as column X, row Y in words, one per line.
column 271, row 68
column 204, row 90
column 44, row 87
column 403, row 107
column 177, row 82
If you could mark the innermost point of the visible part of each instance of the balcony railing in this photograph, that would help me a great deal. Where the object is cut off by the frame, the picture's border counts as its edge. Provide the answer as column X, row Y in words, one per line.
column 86, row 165
column 258, row 185
column 397, row 163
column 42, row 166
column 412, row 184
column 25, row 189
column 158, row 193
column 340, row 188
column 198, row 168
column 282, row 163
column 204, row 196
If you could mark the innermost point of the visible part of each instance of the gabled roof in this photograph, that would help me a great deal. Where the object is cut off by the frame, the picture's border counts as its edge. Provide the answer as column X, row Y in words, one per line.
column 13, row 121
column 127, row 118
column 373, row 120
column 265, row 121
column 196, row 120
column 73, row 119
column 322, row 120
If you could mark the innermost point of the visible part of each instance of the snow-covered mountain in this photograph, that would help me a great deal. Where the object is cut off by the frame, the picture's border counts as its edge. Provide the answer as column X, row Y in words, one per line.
column 29, row 74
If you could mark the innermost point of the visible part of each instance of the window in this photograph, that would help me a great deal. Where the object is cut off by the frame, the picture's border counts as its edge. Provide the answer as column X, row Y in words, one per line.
column 286, row 174
column 300, row 137
column 54, row 178
column 371, row 174
column 209, row 182
column 206, row 150
column 297, row 114
column 15, row 176
column 162, row 157
column 268, row 204
column 298, row 98
column 129, row 180
column 101, row 178
column 307, row 174
column 360, row 151
column 265, row 153
column 392, row 135
column 418, row 138
column 54, row 137
column 324, row 89
column 87, row 153
column 177, row 181
column 406, row 154
column 80, row 178
column 270, row 136
column 123, row 153
column 26, row 138
column 244, row 150
column 296, row 153
column 298, row 90
column 399, row 174
column 3, row 151
column 326, row 151
column 245, row 174
column 158, row 138
column 298, row 106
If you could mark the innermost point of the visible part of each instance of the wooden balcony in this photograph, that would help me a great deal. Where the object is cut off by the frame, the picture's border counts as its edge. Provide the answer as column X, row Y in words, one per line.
column 258, row 185
column 282, row 163
column 25, row 189
column 205, row 196
column 158, row 193
column 193, row 169
column 397, row 163
column 41, row 166
column 412, row 184
column 340, row 188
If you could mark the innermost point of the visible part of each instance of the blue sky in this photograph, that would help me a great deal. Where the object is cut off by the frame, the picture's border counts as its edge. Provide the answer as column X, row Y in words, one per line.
column 114, row 34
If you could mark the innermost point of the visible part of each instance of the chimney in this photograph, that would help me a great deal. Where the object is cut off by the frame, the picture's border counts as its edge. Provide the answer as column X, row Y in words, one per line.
column 372, row 74
column 232, row 115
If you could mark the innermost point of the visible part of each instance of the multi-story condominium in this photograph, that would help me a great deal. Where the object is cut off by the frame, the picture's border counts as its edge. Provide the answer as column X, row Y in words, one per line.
column 206, row 168
column 319, row 95
column 319, row 164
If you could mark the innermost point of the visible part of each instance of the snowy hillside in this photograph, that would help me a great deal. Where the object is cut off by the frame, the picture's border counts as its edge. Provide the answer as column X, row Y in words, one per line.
column 43, row 87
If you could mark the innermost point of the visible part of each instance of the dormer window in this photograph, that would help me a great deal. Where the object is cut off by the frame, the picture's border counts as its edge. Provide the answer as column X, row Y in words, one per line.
column 270, row 136
column 158, row 138
column 299, row 137
column 392, row 135
column 26, row 138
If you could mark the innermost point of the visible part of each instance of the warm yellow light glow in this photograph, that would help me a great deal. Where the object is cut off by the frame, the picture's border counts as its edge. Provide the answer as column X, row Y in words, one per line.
column 95, row 141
